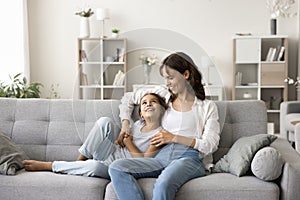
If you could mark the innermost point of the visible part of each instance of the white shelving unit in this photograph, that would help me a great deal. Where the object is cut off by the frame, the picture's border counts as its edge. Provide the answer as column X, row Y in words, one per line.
column 99, row 60
column 259, row 75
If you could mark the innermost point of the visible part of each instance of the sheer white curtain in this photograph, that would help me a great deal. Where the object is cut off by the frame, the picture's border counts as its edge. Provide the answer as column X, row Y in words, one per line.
column 14, row 50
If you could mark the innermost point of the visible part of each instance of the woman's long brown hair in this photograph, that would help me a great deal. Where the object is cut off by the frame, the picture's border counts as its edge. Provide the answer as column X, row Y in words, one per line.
column 181, row 62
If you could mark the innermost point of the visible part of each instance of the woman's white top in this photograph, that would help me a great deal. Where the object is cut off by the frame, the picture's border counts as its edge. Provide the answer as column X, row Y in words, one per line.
column 206, row 118
column 185, row 123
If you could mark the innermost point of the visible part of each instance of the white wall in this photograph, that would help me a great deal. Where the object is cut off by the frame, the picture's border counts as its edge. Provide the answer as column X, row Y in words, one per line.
column 211, row 24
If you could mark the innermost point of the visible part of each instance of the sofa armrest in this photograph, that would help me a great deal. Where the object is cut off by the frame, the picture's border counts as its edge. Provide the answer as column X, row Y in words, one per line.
column 290, row 179
column 283, row 113
column 297, row 137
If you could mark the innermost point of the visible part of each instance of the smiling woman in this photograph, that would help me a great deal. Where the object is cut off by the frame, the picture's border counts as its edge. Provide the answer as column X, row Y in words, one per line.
column 14, row 53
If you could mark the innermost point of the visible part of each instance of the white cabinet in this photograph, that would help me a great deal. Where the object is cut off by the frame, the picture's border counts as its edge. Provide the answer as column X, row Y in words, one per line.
column 260, row 67
column 248, row 51
column 101, row 68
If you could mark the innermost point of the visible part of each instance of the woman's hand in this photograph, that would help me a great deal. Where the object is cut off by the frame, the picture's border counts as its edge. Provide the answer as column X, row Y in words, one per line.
column 163, row 137
column 124, row 130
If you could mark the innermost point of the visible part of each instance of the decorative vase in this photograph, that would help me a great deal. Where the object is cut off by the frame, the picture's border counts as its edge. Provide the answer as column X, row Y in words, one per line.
column 273, row 26
column 84, row 27
column 147, row 70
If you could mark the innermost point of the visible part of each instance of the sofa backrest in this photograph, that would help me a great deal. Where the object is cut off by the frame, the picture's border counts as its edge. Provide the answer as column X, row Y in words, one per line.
column 53, row 129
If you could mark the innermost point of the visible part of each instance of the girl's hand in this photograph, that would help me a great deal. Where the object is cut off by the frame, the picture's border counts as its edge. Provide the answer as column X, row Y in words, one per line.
column 124, row 130
column 127, row 139
column 163, row 137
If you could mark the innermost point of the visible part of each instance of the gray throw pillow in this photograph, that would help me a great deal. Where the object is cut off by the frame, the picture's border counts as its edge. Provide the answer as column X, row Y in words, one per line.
column 267, row 164
column 238, row 159
column 11, row 156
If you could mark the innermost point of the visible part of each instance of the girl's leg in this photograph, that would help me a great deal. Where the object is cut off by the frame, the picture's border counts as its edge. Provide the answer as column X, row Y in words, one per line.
column 83, row 168
column 34, row 165
column 99, row 144
column 124, row 173
column 175, row 175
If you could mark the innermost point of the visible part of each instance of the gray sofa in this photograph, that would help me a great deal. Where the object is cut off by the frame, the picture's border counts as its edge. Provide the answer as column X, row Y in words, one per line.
column 55, row 129
column 289, row 112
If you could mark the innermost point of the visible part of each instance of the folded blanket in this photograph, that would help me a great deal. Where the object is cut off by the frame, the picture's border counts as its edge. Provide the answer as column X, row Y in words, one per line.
column 11, row 156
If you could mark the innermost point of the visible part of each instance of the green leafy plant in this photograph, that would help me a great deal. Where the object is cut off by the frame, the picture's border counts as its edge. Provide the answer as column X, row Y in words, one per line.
column 115, row 30
column 86, row 12
column 19, row 88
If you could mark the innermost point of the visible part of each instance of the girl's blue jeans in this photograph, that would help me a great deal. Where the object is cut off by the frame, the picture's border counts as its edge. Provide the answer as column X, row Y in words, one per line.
column 174, row 165
column 99, row 145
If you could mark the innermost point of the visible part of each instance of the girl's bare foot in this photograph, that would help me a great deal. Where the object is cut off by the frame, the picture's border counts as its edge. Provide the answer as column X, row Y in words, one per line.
column 34, row 165
column 82, row 157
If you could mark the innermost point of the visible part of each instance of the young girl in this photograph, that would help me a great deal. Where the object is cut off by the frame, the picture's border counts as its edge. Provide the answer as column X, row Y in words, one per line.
column 190, row 135
column 100, row 147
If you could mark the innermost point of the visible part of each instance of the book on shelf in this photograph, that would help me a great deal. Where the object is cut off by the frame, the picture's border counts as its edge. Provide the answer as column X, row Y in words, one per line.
column 272, row 58
column 120, row 54
column 83, row 55
column 238, row 78
column 275, row 54
column 280, row 56
column 119, row 78
column 268, row 58
column 83, row 79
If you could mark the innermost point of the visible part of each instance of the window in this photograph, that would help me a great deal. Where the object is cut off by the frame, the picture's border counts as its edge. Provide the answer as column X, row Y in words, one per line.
column 13, row 39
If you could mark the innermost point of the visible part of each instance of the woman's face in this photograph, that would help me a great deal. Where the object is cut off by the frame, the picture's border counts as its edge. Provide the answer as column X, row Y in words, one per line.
column 150, row 107
column 175, row 81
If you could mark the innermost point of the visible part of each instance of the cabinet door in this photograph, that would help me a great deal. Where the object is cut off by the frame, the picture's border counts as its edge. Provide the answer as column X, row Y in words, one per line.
column 247, row 50
column 272, row 74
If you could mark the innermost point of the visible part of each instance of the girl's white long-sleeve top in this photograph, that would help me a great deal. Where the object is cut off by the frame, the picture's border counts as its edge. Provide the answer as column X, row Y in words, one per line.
column 205, row 112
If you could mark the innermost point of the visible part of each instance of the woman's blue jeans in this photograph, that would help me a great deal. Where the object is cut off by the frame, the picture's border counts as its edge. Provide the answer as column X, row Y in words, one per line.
column 174, row 165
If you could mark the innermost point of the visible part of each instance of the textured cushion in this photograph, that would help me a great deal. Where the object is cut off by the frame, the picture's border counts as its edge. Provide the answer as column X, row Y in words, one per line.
column 11, row 156
column 238, row 159
column 267, row 164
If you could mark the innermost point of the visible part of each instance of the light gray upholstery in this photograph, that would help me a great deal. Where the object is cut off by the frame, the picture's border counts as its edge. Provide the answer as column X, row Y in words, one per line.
column 289, row 112
column 55, row 129
column 52, row 130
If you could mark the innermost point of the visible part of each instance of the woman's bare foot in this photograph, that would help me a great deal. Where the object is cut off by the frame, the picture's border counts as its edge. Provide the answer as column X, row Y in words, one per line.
column 34, row 165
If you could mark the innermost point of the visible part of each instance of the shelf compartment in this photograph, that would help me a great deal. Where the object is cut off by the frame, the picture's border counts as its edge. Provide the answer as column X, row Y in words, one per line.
column 246, row 93
column 273, row 97
column 248, row 74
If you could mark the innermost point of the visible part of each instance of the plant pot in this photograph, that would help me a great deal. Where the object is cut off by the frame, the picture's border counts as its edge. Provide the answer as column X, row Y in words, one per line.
column 114, row 35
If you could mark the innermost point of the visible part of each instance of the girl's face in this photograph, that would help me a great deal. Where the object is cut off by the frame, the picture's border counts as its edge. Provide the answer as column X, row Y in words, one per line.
column 175, row 81
column 150, row 107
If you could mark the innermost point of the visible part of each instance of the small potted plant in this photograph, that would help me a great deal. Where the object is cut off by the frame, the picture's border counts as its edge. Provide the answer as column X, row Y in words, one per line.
column 115, row 33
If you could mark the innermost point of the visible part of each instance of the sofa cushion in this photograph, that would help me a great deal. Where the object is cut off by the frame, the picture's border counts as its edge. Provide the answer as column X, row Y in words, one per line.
column 11, row 156
column 267, row 164
column 238, row 159
column 213, row 186
column 51, row 186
